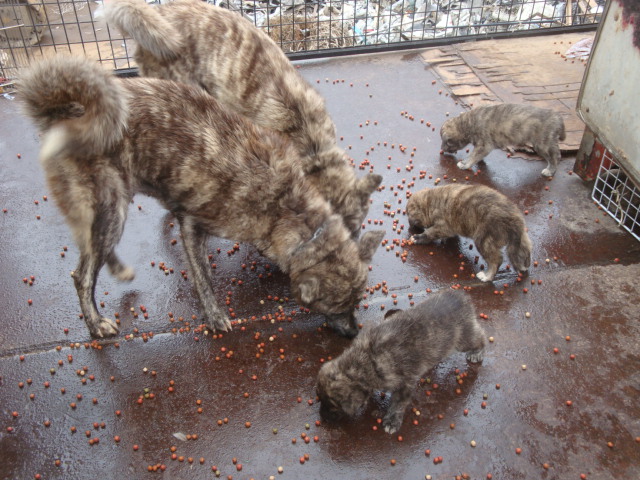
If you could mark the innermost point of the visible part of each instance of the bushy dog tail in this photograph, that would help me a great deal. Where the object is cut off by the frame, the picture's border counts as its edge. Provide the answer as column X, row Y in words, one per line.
column 146, row 25
column 519, row 250
column 563, row 134
column 80, row 106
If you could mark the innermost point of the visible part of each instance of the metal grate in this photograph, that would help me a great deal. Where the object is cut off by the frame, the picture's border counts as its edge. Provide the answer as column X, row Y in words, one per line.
column 34, row 28
column 618, row 195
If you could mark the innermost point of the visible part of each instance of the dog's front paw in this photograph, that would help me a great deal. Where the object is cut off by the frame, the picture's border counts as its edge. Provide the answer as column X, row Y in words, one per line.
column 391, row 426
column 421, row 239
column 483, row 277
column 220, row 323
column 475, row 357
column 127, row 274
column 547, row 172
column 463, row 166
column 102, row 328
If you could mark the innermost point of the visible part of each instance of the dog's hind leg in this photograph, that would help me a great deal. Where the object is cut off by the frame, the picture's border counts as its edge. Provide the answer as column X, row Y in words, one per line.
column 552, row 155
column 492, row 256
column 122, row 272
column 195, row 246
column 97, row 239
column 400, row 400
column 471, row 341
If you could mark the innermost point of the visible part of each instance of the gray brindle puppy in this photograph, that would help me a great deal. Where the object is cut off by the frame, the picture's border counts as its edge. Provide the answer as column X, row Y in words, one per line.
column 392, row 356
column 106, row 139
column 503, row 126
column 193, row 42
column 481, row 213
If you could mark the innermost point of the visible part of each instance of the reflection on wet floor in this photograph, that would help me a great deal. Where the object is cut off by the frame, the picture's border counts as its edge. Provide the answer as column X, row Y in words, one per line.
column 554, row 398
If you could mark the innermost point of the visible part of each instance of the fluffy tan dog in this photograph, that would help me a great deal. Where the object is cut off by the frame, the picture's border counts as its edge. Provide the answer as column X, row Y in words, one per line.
column 200, row 44
column 106, row 139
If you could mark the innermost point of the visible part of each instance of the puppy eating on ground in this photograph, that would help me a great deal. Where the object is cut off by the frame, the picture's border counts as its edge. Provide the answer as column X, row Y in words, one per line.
column 393, row 355
column 503, row 126
column 475, row 211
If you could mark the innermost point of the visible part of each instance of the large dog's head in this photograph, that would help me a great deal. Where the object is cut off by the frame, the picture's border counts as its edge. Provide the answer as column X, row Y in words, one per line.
column 329, row 273
column 453, row 138
column 339, row 395
column 418, row 209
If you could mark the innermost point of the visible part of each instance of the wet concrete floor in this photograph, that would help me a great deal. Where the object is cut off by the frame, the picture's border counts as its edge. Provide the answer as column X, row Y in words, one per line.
column 164, row 399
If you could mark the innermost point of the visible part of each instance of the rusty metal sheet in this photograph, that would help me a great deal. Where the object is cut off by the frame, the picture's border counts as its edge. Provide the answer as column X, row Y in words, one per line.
column 608, row 102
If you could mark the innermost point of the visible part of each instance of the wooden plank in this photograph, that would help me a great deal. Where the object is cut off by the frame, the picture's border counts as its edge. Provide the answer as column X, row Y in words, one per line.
column 466, row 90
column 513, row 70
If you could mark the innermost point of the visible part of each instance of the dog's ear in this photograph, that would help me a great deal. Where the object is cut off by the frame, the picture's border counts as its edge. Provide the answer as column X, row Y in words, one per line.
column 324, row 241
column 392, row 312
column 368, row 184
column 332, row 157
column 309, row 289
column 369, row 243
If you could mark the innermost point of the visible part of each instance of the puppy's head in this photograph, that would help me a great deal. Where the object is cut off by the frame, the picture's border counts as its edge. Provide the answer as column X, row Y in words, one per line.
column 418, row 210
column 330, row 279
column 452, row 137
column 339, row 396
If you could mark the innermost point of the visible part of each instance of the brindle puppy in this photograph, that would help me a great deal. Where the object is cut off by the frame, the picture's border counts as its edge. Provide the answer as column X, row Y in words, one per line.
column 197, row 43
column 393, row 355
column 502, row 126
column 106, row 139
column 475, row 211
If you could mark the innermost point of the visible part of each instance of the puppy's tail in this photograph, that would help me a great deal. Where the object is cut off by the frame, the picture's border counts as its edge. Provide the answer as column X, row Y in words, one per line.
column 146, row 25
column 81, row 107
column 562, row 134
column 519, row 250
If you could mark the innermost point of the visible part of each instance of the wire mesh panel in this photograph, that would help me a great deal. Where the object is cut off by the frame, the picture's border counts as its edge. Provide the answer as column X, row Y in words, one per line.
column 33, row 28
column 618, row 195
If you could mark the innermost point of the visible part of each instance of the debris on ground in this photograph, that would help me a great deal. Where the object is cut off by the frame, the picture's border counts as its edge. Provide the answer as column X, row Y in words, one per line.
column 298, row 25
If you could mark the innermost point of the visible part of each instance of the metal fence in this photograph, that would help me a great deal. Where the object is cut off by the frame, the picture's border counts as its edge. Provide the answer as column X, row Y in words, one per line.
column 618, row 195
column 34, row 28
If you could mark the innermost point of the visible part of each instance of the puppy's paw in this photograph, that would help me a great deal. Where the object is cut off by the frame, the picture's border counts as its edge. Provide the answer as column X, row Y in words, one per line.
column 127, row 274
column 483, row 277
column 103, row 328
column 390, row 426
column 420, row 239
column 463, row 166
column 547, row 172
column 475, row 357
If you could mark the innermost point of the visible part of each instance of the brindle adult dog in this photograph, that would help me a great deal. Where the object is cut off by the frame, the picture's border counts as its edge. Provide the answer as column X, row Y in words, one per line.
column 475, row 211
column 502, row 126
column 105, row 139
column 197, row 43
column 393, row 355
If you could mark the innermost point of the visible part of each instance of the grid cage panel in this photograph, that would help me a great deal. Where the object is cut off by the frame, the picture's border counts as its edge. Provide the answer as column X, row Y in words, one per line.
column 34, row 28
column 618, row 195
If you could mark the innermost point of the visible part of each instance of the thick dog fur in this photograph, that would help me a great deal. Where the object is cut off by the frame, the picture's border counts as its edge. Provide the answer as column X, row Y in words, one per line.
column 197, row 43
column 475, row 211
column 106, row 139
column 393, row 355
column 502, row 126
